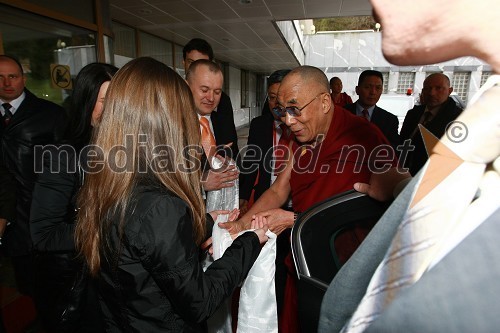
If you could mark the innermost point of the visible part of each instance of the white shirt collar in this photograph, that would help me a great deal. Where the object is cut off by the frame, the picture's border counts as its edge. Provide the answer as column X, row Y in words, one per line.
column 15, row 103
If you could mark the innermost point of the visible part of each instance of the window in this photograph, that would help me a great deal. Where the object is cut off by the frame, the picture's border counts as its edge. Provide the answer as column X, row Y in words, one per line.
column 484, row 77
column 460, row 84
column 124, row 44
column 385, row 76
column 178, row 61
column 406, row 81
column 40, row 42
column 244, row 89
column 155, row 47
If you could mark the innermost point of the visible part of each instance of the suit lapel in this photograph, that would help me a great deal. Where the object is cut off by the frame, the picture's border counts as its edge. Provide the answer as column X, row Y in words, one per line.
column 215, row 123
column 376, row 117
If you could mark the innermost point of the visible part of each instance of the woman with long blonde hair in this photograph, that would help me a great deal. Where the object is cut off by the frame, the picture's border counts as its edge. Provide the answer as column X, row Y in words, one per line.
column 142, row 215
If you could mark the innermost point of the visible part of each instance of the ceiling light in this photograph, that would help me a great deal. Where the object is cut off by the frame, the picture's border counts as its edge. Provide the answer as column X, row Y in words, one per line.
column 245, row 2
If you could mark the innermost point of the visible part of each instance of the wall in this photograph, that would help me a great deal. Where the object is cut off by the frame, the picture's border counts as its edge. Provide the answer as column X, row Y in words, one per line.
column 346, row 54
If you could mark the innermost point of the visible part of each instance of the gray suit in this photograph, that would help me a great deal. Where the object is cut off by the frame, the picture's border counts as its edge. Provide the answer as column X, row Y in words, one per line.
column 459, row 294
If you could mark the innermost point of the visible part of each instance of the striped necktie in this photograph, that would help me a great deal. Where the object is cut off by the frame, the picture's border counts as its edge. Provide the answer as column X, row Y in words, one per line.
column 8, row 115
column 365, row 114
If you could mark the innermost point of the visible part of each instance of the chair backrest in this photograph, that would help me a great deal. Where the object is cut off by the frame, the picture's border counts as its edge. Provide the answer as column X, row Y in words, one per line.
column 327, row 234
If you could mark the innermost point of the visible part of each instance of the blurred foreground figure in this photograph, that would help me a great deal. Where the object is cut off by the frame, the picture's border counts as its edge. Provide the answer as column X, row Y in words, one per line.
column 432, row 262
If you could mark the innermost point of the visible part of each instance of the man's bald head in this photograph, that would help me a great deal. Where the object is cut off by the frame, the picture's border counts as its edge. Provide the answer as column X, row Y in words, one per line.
column 312, row 77
column 436, row 90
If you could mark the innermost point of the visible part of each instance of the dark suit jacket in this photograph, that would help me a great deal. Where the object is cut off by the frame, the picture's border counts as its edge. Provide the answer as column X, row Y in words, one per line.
column 224, row 128
column 258, row 158
column 416, row 159
column 36, row 122
column 386, row 121
column 7, row 194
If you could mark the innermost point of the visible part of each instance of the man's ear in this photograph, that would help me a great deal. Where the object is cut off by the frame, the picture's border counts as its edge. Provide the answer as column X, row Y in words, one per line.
column 357, row 93
column 450, row 90
column 326, row 102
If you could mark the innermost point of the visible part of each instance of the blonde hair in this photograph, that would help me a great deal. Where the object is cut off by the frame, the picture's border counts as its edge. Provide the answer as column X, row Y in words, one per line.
column 147, row 105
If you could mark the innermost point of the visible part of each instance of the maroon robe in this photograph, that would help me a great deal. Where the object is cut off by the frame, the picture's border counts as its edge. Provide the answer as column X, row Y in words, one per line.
column 309, row 185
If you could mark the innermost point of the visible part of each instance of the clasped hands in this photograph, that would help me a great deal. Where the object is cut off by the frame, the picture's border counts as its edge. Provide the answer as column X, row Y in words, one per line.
column 259, row 226
column 277, row 220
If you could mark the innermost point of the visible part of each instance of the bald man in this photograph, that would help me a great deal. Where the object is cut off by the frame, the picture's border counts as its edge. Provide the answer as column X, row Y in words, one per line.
column 437, row 111
column 319, row 164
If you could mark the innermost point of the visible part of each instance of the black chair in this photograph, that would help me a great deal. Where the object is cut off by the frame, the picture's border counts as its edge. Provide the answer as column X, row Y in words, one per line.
column 316, row 247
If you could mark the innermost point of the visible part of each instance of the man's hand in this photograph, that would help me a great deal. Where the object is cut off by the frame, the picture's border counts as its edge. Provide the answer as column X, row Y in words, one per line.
column 234, row 227
column 215, row 179
column 382, row 186
column 243, row 206
column 277, row 219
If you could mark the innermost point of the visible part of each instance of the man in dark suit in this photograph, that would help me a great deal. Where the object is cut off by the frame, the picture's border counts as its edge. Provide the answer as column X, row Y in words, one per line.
column 369, row 88
column 458, row 292
column 435, row 115
column 205, row 80
column 27, row 121
column 222, row 119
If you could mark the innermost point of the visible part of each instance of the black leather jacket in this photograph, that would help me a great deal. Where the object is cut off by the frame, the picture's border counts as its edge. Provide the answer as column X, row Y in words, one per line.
column 36, row 122
column 153, row 281
column 53, row 207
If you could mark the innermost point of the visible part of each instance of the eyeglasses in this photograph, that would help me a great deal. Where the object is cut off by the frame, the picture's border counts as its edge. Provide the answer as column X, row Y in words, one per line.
column 293, row 110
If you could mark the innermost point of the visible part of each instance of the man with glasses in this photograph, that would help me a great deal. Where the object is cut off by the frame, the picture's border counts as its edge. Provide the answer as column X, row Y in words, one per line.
column 333, row 149
column 267, row 139
column 258, row 172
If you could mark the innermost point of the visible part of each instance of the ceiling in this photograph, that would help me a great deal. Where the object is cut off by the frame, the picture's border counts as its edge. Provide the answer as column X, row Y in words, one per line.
column 241, row 32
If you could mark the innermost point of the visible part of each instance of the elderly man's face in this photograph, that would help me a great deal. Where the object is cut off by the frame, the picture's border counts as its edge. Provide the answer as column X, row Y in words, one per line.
column 311, row 122
column 436, row 90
